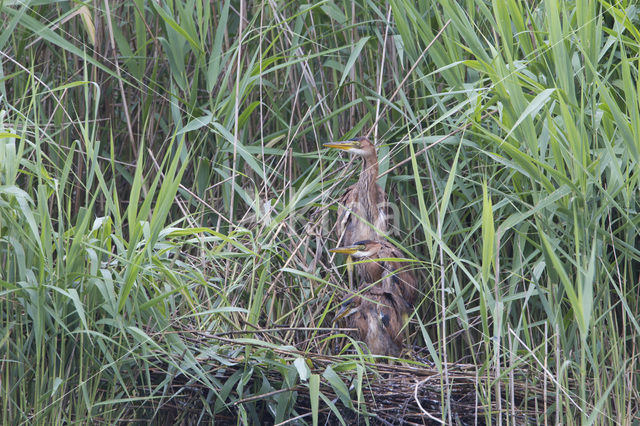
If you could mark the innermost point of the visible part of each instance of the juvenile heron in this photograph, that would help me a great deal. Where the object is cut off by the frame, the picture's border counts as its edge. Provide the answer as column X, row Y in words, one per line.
column 362, row 208
column 382, row 264
column 377, row 319
column 389, row 298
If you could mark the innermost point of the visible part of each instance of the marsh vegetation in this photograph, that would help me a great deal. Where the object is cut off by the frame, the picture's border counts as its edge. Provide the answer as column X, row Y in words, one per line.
column 166, row 209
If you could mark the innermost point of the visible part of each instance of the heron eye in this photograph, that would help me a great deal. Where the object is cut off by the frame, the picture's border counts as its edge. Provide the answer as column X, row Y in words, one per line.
column 361, row 247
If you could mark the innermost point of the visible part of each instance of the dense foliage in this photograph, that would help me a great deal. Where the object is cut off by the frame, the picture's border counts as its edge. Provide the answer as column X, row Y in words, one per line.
column 166, row 204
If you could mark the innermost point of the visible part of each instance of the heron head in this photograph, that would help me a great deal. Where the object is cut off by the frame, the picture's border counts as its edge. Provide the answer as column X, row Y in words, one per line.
column 360, row 145
column 364, row 248
column 347, row 308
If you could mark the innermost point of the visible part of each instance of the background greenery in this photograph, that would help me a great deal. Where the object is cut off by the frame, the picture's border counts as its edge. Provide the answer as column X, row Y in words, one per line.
column 166, row 205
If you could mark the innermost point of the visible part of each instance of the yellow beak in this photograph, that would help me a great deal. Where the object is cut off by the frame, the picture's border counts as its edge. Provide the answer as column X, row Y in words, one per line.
column 345, row 145
column 347, row 249
column 345, row 310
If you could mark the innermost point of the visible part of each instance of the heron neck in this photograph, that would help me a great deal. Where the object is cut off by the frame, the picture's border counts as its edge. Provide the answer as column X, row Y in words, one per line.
column 370, row 164
column 369, row 175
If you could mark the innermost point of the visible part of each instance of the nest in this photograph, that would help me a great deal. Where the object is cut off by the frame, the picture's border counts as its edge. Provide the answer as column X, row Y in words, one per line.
column 399, row 393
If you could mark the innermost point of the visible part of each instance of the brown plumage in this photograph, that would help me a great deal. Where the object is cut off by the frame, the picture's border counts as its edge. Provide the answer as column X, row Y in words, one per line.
column 388, row 299
column 378, row 321
column 375, row 265
column 362, row 208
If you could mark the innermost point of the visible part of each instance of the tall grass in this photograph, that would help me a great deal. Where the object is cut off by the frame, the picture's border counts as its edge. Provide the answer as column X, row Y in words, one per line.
column 166, row 206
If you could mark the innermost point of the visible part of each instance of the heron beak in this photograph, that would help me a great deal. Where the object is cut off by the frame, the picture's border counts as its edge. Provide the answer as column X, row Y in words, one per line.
column 344, row 145
column 345, row 310
column 347, row 249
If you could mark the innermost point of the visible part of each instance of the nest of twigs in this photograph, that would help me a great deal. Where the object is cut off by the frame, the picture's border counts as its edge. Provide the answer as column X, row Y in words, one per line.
column 396, row 393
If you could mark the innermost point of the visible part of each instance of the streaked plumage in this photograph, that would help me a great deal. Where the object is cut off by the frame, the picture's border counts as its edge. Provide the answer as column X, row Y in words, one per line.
column 388, row 299
column 362, row 208
column 376, row 265
column 378, row 322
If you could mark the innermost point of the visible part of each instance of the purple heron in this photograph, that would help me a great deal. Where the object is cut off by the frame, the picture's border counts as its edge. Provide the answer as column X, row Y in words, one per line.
column 377, row 319
column 362, row 208
column 389, row 298
column 382, row 264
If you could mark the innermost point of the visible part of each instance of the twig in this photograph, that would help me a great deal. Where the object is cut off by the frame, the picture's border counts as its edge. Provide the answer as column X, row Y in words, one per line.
column 406, row 77
column 415, row 396
column 264, row 395
column 122, row 92
column 448, row 135
column 384, row 54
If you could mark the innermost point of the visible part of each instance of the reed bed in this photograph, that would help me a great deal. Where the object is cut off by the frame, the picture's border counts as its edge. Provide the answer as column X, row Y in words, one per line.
column 166, row 209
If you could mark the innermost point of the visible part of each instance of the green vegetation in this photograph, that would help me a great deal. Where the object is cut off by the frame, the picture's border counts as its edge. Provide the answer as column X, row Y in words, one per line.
column 166, row 205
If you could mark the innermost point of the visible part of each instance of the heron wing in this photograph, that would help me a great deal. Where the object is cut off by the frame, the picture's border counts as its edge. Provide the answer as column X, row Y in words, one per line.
column 399, row 278
column 350, row 228
column 346, row 205
column 381, row 221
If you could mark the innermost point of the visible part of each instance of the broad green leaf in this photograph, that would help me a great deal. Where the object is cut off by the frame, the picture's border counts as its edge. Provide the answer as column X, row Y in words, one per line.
column 352, row 59
column 488, row 234
column 303, row 369
column 314, row 394
column 338, row 386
